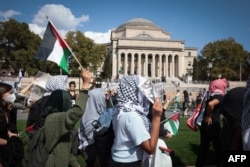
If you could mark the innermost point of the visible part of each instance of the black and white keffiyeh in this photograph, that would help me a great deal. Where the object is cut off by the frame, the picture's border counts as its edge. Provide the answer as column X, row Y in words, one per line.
column 131, row 99
column 57, row 82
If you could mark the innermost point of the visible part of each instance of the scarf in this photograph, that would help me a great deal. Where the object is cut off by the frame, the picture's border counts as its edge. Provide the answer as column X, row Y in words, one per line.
column 56, row 82
column 218, row 86
column 131, row 99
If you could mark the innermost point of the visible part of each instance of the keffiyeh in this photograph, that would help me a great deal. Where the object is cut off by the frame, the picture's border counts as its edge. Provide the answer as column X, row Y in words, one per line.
column 131, row 99
column 218, row 86
column 57, row 82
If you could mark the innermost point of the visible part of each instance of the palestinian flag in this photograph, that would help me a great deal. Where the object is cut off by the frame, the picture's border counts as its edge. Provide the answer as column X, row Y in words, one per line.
column 54, row 48
column 172, row 123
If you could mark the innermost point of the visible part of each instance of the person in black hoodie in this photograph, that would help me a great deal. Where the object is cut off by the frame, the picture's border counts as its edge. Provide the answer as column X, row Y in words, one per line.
column 231, row 109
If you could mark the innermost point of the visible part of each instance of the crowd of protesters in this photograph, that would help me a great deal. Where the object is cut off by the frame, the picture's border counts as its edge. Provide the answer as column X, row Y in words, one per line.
column 136, row 124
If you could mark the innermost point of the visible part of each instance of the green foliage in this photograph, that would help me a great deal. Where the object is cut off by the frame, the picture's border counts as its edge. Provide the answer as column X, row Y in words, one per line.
column 19, row 45
column 107, row 66
column 227, row 57
column 201, row 69
column 195, row 70
column 88, row 53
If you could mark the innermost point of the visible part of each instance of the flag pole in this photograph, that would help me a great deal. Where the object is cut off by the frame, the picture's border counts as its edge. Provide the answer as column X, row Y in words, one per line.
column 65, row 43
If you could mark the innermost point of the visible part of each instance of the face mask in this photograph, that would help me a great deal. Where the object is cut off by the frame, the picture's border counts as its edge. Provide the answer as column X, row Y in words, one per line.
column 11, row 98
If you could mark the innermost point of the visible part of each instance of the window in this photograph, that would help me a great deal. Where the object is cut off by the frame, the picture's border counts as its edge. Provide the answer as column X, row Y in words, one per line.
column 144, row 36
column 189, row 63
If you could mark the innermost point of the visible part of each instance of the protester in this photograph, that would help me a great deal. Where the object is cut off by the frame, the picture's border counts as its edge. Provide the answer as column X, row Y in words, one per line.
column 200, row 96
column 135, row 136
column 95, row 105
column 177, row 100
column 57, row 82
column 210, row 127
column 160, row 158
column 72, row 91
column 8, row 139
column 60, row 119
column 231, row 109
column 185, row 103
column 191, row 100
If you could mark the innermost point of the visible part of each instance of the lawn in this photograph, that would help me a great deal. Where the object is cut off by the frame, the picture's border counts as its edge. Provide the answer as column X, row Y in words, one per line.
column 185, row 145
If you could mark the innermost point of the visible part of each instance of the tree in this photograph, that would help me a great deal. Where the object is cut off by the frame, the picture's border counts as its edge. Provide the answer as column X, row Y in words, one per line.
column 195, row 70
column 88, row 53
column 227, row 58
column 107, row 73
column 18, row 45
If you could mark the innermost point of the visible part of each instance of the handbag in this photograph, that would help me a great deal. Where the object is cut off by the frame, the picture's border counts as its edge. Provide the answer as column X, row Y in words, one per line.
column 191, row 121
column 202, row 110
column 195, row 119
column 104, row 121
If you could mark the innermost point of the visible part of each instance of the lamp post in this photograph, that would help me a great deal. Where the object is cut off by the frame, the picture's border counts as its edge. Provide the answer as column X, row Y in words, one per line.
column 210, row 66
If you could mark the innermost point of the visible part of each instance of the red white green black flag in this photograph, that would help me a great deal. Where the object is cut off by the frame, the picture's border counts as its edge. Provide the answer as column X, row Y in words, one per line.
column 54, row 48
column 172, row 123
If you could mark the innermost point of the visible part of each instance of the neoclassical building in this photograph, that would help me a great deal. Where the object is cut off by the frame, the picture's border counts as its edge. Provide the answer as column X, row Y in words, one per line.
column 140, row 47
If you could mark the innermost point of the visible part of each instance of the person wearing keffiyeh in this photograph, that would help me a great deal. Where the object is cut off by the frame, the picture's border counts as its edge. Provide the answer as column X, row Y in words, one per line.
column 135, row 135
column 210, row 127
column 61, row 118
column 55, row 97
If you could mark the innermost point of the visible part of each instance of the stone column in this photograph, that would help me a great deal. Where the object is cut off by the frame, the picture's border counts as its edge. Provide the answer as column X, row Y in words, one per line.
column 132, row 64
column 172, row 66
column 146, row 66
column 139, row 64
column 160, row 66
column 153, row 67
column 115, row 64
column 126, row 64
column 118, row 63
column 166, row 66
column 173, row 63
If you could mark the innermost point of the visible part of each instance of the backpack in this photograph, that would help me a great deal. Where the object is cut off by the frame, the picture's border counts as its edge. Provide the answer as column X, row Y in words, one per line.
column 195, row 119
column 37, row 154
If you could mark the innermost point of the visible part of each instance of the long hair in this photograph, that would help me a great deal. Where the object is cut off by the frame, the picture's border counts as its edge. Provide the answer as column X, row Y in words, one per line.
column 4, row 88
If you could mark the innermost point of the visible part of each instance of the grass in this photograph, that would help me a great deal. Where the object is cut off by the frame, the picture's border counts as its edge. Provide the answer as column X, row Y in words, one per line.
column 185, row 145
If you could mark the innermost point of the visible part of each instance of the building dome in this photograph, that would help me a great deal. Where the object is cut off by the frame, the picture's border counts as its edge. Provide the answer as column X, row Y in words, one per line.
column 139, row 22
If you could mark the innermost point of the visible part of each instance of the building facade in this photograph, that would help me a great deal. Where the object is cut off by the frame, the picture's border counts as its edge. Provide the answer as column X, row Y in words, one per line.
column 141, row 47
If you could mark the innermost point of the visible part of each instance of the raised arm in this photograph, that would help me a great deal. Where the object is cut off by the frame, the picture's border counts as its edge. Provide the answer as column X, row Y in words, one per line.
column 150, row 145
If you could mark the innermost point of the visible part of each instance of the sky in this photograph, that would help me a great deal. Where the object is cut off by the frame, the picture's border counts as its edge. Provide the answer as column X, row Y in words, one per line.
column 197, row 22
